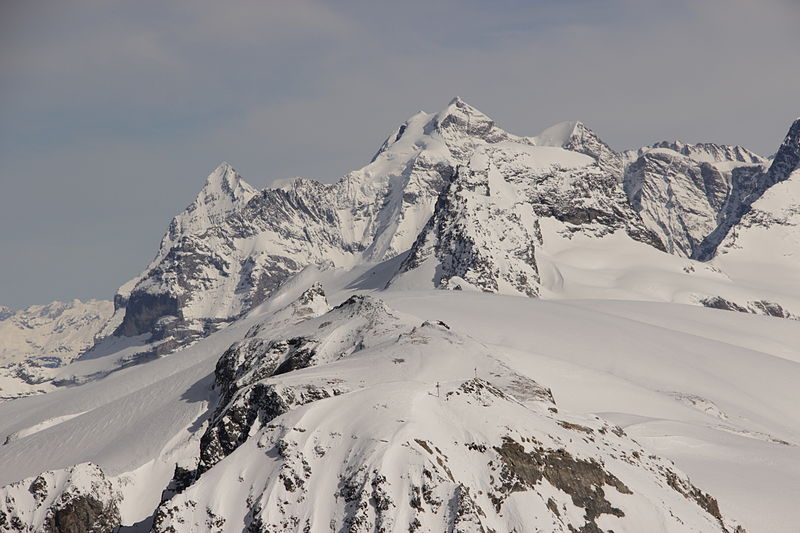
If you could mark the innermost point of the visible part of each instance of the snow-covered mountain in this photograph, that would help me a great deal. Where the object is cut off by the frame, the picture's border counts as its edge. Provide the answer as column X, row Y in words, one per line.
column 681, row 190
column 485, row 449
column 464, row 199
column 79, row 498
column 365, row 415
column 289, row 361
column 58, row 331
column 485, row 230
column 232, row 247
column 40, row 338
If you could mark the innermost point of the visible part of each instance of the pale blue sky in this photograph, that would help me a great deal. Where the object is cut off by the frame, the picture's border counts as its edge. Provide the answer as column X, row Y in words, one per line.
column 113, row 112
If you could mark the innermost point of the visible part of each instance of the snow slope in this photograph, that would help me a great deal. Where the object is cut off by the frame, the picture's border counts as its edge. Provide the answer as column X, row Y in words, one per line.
column 714, row 391
column 463, row 455
column 206, row 273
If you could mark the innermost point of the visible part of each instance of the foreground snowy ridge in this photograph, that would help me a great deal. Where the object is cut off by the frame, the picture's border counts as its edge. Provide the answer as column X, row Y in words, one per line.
column 290, row 362
column 361, row 419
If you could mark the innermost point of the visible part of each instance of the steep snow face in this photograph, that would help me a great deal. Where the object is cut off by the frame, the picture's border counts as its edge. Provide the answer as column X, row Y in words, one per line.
column 681, row 190
column 485, row 229
column 447, row 438
column 577, row 137
column 232, row 247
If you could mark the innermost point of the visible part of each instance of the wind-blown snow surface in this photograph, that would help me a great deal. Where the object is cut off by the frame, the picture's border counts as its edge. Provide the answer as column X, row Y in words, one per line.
column 714, row 391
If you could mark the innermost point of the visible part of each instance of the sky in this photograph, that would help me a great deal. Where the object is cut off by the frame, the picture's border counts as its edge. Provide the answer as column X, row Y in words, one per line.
column 112, row 112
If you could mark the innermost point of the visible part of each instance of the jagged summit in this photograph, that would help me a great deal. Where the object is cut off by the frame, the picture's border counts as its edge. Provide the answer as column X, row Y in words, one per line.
column 224, row 191
column 787, row 158
column 232, row 247
column 459, row 126
column 457, row 107
column 223, row 188
column 461, row 123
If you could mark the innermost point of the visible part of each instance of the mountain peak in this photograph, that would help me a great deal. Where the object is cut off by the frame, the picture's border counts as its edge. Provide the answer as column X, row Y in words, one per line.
column 225, row 179
column 464, row 127
column 224, row 186
column 224, row 191
column 461, row 109
column 787, row 158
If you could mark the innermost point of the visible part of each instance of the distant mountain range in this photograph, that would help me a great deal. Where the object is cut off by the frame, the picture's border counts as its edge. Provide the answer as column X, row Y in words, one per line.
column 284, row 412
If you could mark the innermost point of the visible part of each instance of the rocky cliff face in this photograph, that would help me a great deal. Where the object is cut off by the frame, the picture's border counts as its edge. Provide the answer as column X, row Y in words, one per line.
column 749, row 186
column 683, row 191
column 484, row 232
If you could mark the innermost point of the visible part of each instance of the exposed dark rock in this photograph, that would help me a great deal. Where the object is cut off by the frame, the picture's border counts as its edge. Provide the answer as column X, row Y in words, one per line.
column 83, row 514
column 760, row 307
column 143, row 310
column 582, row 479
column 718, row 302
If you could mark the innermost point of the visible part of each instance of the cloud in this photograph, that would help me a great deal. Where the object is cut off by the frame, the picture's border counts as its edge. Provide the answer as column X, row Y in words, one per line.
column 115, row 111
